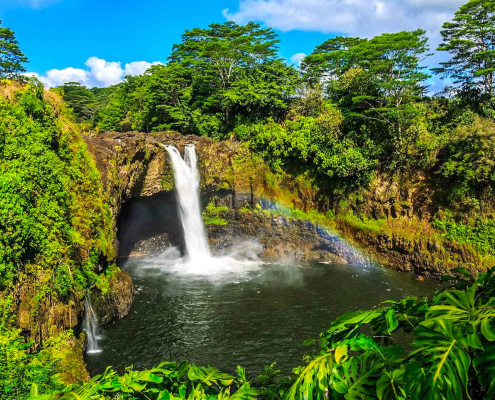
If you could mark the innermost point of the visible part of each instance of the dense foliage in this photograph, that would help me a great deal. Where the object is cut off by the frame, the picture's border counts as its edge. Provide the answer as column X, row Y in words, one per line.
column 452, row 357
column 51, row 215
column 215, row 79
column 355, row 111
column 54, row 228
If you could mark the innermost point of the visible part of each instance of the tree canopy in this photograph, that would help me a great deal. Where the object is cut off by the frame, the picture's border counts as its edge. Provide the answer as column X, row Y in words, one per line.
column 11, row 56
column 470, row 39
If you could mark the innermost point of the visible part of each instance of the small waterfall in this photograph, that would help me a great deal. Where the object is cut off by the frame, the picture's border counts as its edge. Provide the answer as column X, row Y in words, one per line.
column 90, row 326
column 187, row 185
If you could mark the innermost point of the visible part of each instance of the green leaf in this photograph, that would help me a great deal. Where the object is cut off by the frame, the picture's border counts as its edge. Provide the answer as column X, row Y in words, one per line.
column 356, row 378
column 313, row 380
column 392, row 322
column 484, row 365
column 441, row 353
column 390, row 385
column 209, row 376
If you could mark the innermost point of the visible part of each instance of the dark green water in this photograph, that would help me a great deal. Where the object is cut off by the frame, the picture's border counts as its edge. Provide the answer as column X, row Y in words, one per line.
column 251, row 319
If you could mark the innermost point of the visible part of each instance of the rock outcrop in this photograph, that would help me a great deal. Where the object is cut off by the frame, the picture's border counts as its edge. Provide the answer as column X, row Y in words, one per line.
column 116, row 303
column 421, row 256
column 283, row 238
column 135, row 165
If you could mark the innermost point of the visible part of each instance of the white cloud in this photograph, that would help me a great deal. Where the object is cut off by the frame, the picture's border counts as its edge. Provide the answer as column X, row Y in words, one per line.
column 297, row 58
column 37, row 4
column 100, row 73
column 138, row 67
column 349, row 17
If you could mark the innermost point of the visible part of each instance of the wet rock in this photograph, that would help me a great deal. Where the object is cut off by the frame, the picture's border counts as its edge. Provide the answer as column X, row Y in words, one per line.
column 282, row 238
column 117, row 301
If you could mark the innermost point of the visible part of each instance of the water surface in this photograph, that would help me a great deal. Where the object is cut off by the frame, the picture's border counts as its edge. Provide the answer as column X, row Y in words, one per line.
column 251, row 319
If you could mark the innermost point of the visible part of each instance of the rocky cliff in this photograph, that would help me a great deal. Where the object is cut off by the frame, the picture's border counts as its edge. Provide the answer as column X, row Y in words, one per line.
column 135, row 165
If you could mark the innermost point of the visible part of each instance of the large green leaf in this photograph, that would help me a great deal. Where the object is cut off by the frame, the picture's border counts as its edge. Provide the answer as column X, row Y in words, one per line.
column 347, row 326
column 408, row 312
column 484, row 365
column 209, row 376
column 390, row 385
column 356, row 378
column 462, row 307
column 441, row 371
column 313, row 380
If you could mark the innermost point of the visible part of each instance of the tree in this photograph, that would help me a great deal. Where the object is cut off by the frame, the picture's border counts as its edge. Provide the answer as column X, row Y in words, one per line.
column 377, row 80
column 81, row 100
column 226, row 57
column 470, row 39
column 11, row 56
column 330, row 59
column 159, row 99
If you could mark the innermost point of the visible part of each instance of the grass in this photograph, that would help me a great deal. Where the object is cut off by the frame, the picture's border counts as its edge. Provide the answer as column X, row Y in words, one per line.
column 212, row 214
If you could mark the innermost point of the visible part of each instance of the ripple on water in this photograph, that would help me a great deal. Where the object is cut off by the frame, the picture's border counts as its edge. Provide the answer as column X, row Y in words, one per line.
column 250, row 319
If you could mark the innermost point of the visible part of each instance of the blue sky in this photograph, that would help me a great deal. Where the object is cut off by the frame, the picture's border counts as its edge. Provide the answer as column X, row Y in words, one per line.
column 97, row 42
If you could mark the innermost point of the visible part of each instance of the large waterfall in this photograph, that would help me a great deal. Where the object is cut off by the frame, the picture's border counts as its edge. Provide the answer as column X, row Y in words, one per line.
column 187, row 185
column 198, row 259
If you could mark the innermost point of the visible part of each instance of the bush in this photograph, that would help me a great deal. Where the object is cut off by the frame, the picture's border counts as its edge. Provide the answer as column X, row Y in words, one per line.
column 52, row 218
column 20, row 369
column 317, row 145
column 467, row 163
column 479, row 232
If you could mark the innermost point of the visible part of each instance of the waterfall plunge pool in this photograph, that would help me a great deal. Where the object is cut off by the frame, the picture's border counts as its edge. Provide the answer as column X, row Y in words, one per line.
column 250, row 320
column 225, row 311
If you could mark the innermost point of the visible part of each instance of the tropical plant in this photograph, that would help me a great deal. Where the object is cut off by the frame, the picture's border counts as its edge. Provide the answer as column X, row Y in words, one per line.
column 166, row 382
column 452, row 355
column 11, row 56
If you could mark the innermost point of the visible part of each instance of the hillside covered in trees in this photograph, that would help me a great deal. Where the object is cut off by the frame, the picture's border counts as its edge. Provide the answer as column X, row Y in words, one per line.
column 372, row 154
column 357, row 112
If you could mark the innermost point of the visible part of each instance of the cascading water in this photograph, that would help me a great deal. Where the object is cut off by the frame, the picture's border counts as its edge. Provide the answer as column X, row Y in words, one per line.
column 187, row 185
column 90, row 326
column 198, row 259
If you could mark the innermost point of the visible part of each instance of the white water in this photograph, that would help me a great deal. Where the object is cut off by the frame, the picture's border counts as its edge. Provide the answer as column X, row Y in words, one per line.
column 186, row 179
column 198, row 260
column 90, row 326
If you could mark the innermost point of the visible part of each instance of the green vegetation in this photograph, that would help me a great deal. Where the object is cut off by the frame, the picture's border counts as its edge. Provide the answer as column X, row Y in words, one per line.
column 212, row 214
column 452, row 337
column 470, row 40
column 479, row 233
column 451, row 356
column 323, row 137
column 363, row 223
column 21, row 369
column 55, row 232
column 11, row 56
column 52, row 218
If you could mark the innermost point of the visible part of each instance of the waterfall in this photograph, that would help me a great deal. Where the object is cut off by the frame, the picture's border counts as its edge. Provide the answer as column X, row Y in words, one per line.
column 90, row 326
column 198, row 260
column 186, row 179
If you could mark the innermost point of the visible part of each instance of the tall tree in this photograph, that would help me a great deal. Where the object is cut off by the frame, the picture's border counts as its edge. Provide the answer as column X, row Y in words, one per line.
column 470, row 39
column 221, row 56
column 330, row 59
column 11, row 56
column 394, row 61
column 378, row 80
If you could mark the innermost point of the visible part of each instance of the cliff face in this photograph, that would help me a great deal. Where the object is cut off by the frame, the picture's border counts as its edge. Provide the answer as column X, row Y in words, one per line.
column 135, row 165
